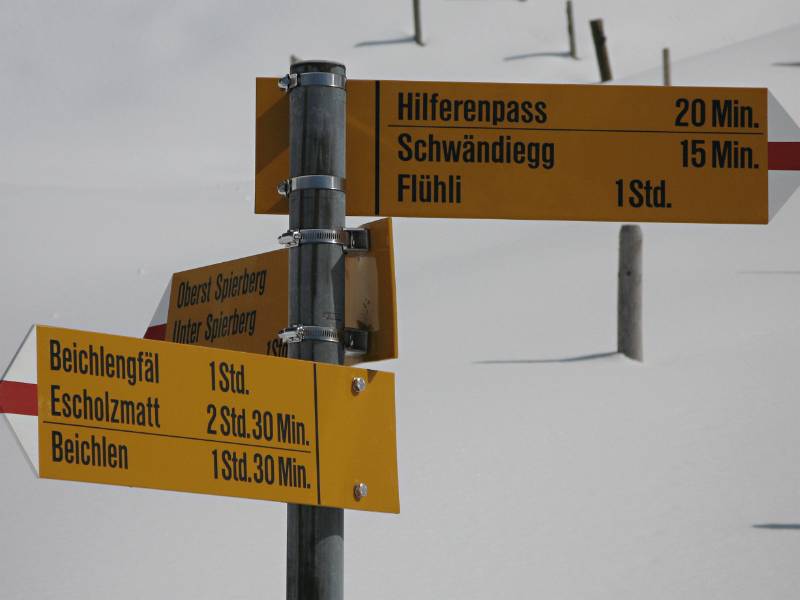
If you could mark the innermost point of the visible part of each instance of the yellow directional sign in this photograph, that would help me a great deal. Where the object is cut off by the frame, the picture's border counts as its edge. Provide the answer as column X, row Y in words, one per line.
column 238, row 304
column 152, row 414
column 523, row 151
column 242, row 304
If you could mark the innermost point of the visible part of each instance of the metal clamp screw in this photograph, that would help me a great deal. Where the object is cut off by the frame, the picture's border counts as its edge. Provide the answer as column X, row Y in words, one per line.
column 292, row 80
column 355, row 341
column 290, row 239
column 359, row 385
column 360, row 490
column 311, row 182
column 288, row 82
column 351, row 239
column 297, row 333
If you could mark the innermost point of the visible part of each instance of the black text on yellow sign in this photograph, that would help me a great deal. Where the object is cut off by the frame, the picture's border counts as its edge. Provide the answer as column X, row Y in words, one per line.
column 242, row 304
column 534, row 151
column 153, row 414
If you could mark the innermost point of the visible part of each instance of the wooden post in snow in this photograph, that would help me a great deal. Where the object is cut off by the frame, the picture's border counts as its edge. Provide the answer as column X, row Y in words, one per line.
column 573, row 51
column 417, row 23
column 600, row 49
column 629, row 293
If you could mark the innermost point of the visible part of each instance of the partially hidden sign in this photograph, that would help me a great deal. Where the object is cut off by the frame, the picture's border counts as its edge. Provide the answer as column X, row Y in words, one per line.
column 153, row 414
column 531, row 151
column 242, row 304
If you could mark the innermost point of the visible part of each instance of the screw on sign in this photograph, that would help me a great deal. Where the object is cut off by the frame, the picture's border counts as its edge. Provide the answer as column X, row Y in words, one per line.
column 360, row 490
column 359, row 385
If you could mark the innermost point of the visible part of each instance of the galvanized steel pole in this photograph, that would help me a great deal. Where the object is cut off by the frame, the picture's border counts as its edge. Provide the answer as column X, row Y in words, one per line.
column 629, row 293
column 315, row 535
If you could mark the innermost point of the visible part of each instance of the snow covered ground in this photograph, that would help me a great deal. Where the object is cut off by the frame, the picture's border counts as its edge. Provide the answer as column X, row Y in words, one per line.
column 529, row 467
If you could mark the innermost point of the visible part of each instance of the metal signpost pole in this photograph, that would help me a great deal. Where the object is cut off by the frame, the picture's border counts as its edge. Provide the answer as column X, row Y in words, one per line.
column 317, row 100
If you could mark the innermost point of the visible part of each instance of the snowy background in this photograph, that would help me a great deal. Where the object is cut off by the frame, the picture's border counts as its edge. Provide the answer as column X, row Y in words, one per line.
column 527, row 468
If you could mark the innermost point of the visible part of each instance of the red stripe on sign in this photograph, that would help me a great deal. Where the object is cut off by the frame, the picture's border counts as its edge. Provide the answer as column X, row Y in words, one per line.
column 156, row 332
column 784, row 156
column 18, row 398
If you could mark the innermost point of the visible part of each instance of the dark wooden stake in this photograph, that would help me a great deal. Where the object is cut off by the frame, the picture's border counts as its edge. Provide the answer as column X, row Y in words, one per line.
column 629, row 293
column 600, row 49
column 417, row 24
column 573, row 51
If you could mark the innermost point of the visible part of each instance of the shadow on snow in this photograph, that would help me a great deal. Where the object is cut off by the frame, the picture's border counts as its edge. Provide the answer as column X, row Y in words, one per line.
column 536, row 55
column 402, row 40
column 533, row 361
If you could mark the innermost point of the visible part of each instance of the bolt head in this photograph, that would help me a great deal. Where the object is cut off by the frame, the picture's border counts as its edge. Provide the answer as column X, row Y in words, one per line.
column 360, row 490
column 359, row 385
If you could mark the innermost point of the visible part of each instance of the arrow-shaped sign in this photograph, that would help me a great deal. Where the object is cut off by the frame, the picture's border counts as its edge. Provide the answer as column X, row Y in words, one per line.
column 18, row 398
column 567, row 152
column 370, row 301
column 784, row 156
column 109, row 409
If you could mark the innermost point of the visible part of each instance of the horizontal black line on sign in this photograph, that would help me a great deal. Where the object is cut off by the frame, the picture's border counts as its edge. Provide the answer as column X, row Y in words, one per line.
column 179, row 437
column 543, row 129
